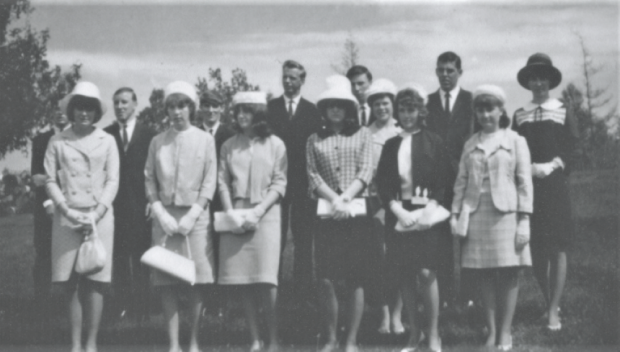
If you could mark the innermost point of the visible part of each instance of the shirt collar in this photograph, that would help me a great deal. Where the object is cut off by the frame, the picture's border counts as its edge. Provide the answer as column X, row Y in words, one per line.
column 295, row 99
column 453, row 93
column 58, row 130
column 550, row 104
column 405, row 134
column 214, row 128
column 131, row 123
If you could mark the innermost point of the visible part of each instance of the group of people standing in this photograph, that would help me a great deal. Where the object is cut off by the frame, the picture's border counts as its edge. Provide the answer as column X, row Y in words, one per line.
column 365, row 145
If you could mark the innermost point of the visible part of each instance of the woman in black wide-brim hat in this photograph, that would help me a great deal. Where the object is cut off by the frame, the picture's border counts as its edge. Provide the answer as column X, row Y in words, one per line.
column 551, row 134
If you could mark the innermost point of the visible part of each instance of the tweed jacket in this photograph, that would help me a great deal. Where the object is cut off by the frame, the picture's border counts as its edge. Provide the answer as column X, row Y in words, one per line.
column 510, row 175
column 82, row 172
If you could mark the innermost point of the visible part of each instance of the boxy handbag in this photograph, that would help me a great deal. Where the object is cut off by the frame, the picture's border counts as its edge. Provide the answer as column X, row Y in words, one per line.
column 171, row 263
column 92, row 254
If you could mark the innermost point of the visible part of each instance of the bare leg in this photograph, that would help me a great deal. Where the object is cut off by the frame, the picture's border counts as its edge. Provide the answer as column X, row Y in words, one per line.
column 430, row 294
column 408, row 293
column 384, row 327
column 508, row 291
column 396, row 316
column 75, row 317
column 557, row 280
column 95, row 308
column 251, row 315
column 487, row 291
column 356, row 310
column 329, row 306
column 269, row 296
column 196, row 310
column 540, row 267
column 171, row 314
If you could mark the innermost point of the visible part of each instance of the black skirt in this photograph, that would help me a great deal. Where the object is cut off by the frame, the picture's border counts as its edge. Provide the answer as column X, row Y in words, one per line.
column 551, row 221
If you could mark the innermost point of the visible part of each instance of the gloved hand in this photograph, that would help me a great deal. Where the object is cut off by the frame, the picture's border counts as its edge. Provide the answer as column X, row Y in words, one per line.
column 424, row 222
column 253, row 217
column 188, row 220
column 49, row 206
column 542, row 170
column 167, row 222
column 340, row 210
column 454, row 220
column 39, row 180
column 238, row 219
column 403, row 216
column 522, row 237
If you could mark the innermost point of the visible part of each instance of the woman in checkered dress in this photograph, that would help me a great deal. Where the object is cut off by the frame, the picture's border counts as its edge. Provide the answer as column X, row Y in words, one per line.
column 339, row 170
column 493, row 197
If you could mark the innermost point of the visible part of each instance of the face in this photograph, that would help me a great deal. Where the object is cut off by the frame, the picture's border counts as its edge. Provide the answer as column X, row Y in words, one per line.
column 211, row 112
column 408, row 117
column 179, row 116
column 60, row 119
column 359, row 84
column 382, row 109
column 336, row 113
column 245, row 118
column 488, row 116
column 124, row 106
column 292, row 81
column 538, row 85
column 448, row 75
column 84, row 116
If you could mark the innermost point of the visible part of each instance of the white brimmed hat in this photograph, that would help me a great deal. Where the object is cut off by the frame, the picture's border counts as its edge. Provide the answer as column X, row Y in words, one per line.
column 338, row 88
column 181, row 87
column 254, row 97
column 492, row 90
column 85, row 89
column 381, row 86
column 418, row 88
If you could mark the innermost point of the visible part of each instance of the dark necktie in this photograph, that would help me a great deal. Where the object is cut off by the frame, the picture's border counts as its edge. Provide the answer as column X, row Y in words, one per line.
column 125, row 138
column 363, row 116
column 447, row 107
column 211, row 131
column 290, row 109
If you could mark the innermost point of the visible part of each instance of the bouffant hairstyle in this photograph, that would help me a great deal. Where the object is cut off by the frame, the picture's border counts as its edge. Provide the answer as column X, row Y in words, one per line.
column 487, row 101
column 259, row 119
column 84, row 103
column 350, row 116
column 410, row 98
column 181, row 101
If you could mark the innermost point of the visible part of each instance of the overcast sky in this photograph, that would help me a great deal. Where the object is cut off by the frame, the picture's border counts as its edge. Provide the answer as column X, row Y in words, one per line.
column 147, row 45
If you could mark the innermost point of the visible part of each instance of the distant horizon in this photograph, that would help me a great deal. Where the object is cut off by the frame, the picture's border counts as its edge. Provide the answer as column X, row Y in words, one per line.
column 145, row 46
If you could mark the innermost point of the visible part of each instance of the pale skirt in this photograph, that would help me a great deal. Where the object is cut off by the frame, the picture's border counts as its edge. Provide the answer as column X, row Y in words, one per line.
column 66, row 242
column 254, row 256
column 200, row 244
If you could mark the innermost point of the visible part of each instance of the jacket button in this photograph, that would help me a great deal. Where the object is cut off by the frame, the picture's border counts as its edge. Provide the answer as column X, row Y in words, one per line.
column 338, row 168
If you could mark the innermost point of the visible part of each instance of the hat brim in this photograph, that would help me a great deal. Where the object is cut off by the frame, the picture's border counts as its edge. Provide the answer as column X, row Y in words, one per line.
column 64, row 103
column 552, row 73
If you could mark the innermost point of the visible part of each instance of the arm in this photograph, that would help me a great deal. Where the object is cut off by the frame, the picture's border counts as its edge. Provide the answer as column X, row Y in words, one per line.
column 365, row 173
column 523, row 177
column 209, row 181
column 112, row 169
column 167, row 222
column 315, row 181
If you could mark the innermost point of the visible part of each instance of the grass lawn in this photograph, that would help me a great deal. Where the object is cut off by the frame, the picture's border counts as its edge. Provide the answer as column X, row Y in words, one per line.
column 589, row 307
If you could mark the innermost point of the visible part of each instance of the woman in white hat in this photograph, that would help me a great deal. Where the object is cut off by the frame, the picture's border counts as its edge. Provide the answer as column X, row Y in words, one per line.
column 493, row 197
column 339, row 171
column 380, row 98
column 181, row 174
column 82, row 167
column 413, row 174
column 252, row 177
column 551, row 134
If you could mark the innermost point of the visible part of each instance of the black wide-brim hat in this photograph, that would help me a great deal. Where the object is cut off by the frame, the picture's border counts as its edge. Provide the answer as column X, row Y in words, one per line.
column 540, row 65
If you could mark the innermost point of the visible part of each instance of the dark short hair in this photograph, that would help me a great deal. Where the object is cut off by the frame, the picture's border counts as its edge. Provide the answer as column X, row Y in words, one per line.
column 450, row 56
column 259, row 119
column 126, row 90
column 350, row 115
column 486, row 100
column 359, row 70
column 371, row 100
column 411, row 98
column 84, row 102
column 211, row 98
column 177, row 99
column 290, row 64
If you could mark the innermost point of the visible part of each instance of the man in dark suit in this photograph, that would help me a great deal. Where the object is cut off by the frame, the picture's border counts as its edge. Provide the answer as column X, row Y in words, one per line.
column 361, row 79
column 132, row 229
column 43, row 212
column 450, row 115
column 294, row 119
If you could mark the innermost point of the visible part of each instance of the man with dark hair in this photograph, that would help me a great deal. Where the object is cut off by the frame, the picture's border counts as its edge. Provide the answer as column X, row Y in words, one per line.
column 361, row 78
column 132, row 229
column 450, row 115
column 43, row 212
column 294, row 119
column 210, row 113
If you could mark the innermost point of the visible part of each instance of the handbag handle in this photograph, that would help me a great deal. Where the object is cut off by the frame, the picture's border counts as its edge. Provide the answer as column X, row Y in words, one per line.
column 189, row 253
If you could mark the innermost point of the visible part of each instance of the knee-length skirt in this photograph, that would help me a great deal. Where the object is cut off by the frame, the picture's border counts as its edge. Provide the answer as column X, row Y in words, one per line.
column 490, row 241
column 200, row 244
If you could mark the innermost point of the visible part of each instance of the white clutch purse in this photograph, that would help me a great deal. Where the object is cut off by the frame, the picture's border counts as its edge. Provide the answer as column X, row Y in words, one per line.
column 224, row 222
column 356, row 207
column 427, row 215
column 171, row 263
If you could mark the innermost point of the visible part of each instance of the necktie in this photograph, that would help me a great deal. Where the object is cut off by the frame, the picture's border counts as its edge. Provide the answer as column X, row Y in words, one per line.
column 125, row 138
column 363, row 116
column 290, row 109
column 447, row 107
column 211, row 131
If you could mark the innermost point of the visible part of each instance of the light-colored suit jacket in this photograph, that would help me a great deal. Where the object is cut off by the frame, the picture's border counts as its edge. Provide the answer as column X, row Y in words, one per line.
column 82, row 172
column 510, row 175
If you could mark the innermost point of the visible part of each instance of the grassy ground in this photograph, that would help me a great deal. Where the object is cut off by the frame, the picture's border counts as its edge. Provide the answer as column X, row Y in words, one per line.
column 589, row 306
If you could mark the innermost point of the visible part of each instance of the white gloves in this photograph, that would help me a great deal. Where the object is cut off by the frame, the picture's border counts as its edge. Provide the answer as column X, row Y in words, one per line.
column 454, row 220
column 238, row 219
column 167, row 222
column 403, row 216
column 49, row 206
column 340, row 210
column 39, row 180
column 252, row 218
column 542, row 170
column 523, row 232
column 188, row 220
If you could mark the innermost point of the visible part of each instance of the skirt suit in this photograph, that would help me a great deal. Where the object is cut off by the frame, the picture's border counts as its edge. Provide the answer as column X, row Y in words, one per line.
column 494, row 183
column 409, row 162
column 180, row 170
column 82, row 172
column 249, row 169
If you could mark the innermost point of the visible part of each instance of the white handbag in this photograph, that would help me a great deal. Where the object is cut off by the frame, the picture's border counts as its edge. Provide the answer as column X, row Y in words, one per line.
column 356, row 207
column 171, row 263
column 92, row 254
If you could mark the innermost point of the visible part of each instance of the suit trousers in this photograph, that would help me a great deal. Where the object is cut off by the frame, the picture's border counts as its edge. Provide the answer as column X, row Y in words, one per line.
column 301, row 212
column 42, row 269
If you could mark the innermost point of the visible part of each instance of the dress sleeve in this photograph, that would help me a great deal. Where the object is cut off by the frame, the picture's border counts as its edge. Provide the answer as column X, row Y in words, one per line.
column 112, row 169
column 209, row 181
column 280, row 167
column 523, row 177
column 150, row 177
column 365, row 165
column 314, row 178
column 52, row 169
